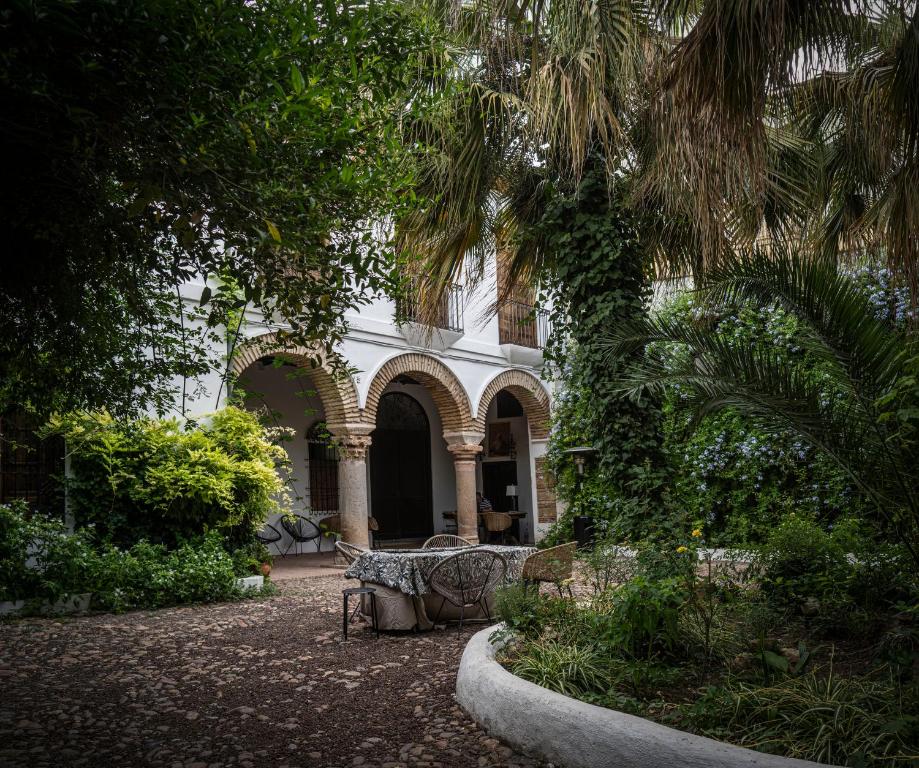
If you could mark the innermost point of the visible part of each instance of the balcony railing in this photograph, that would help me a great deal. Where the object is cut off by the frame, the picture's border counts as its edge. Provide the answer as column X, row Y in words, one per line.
column 449, row 314
column 523, row 325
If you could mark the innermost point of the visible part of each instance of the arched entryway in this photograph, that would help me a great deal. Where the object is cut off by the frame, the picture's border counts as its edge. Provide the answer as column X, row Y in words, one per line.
column 513, row 412
column 400, row 468
column 297, row 392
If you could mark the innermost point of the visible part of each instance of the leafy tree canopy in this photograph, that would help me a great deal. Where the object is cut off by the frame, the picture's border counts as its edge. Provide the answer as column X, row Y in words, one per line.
column 149, row 142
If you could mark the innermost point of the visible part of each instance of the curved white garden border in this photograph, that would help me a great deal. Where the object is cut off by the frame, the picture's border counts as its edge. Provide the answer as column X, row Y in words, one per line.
column 570, row 733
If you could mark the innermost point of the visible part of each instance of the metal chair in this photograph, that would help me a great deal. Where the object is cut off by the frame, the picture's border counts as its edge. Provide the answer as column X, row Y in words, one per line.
column 361, row 592
column 466, row 579
column 301, row 530
column 553, row 565
column 446, row 541
column 497, row 525
column 269, row 535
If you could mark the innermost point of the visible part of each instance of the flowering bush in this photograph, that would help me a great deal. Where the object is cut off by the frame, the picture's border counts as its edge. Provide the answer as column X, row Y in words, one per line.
column 150, row 576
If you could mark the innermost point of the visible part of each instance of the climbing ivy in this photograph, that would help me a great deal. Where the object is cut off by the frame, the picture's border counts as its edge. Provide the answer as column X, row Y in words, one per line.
column 600, row 281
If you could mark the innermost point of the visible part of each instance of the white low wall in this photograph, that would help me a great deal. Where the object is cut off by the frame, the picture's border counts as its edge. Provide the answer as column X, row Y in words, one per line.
column 570, row 733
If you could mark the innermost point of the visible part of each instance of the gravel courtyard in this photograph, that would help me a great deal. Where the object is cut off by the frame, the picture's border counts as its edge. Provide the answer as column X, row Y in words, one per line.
column 256, row 683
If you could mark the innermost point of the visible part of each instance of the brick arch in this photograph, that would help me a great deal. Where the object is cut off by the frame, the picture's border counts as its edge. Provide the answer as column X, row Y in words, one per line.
column 335, row 389
column 528, row 390
column 448, row 394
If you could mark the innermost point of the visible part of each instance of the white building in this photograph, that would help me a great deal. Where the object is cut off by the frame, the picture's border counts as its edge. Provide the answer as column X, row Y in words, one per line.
column 427, row 418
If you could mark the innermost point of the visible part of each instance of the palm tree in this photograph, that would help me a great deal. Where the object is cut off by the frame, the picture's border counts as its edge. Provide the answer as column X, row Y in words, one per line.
column 537, row 93
column 796, row 120
column 845, row 416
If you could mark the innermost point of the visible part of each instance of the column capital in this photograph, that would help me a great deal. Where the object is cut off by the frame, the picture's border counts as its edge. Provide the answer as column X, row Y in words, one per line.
column 463, row 438
column 352, row 439
column 352, row 447
column 464, row 451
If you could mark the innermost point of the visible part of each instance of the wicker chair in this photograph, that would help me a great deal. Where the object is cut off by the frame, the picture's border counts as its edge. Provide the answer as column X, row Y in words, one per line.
column 466, row 579
column 446, row 541
column 497, row 525
column 553, row 565
column 349, row 551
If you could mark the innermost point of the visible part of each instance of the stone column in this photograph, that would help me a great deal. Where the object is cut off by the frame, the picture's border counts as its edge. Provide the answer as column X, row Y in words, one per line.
column 352, row 485
column 465, row 447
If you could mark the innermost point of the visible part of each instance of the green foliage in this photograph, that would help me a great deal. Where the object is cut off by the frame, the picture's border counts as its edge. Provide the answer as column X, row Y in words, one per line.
column 39, row 560
column 157, row 480
column 150, row 142
column 844, row 580
column 822, row 385
column 642, row 620
column 526, row 611
column 664, row 625
column 731, row 475
column 601, row 282
column 820, row 716
column 247, row 559
column 150, row 576
column 572, row 670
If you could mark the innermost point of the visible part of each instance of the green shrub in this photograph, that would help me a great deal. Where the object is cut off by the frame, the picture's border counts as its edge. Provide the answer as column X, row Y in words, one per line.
column 644, row 620
column 844, row 580
column 150, row 576
column 39, row 559
column 164, row 482
column 528, row 612
column 247, row 559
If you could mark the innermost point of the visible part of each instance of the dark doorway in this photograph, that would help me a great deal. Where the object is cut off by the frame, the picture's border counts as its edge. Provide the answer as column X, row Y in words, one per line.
column 496, row 476
column 400, row 469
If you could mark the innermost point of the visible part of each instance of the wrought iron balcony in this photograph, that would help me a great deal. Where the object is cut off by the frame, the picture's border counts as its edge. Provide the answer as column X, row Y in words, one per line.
column 523, row 325
column 448, row 316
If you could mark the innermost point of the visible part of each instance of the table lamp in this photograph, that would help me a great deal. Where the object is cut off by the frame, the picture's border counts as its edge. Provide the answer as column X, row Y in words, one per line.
column 511, row 491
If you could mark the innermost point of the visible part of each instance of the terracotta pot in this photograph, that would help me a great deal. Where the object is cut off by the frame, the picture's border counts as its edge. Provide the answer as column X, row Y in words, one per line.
column 266, row 569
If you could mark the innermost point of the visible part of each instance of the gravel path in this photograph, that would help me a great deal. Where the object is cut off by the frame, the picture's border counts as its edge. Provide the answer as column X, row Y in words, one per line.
column 256, row 683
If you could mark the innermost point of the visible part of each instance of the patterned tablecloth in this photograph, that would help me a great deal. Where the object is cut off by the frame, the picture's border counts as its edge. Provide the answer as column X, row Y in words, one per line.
column 408, row 569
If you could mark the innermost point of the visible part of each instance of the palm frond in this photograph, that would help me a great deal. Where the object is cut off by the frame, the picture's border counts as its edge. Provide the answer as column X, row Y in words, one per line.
column 838, row 415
